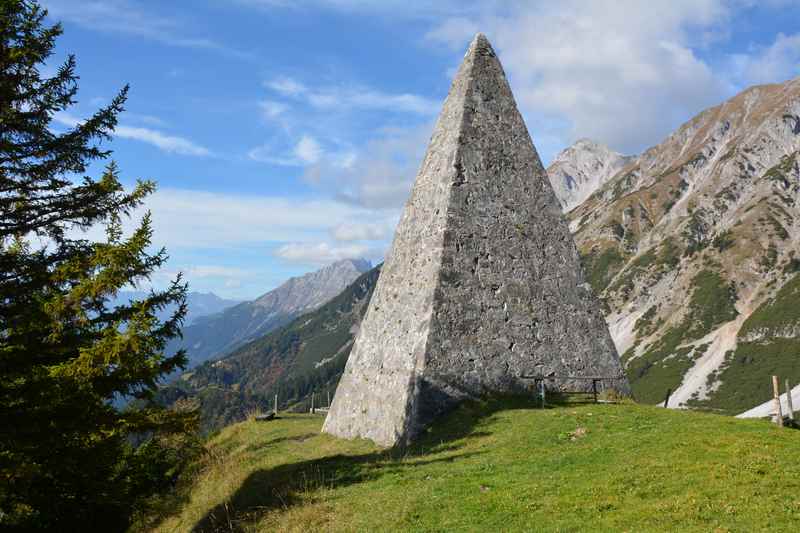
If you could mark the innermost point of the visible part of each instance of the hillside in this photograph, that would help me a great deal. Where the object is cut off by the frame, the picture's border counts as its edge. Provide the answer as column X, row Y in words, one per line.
column 500, row 465
column 693, row 247
column 215, row 335
column 306, row 355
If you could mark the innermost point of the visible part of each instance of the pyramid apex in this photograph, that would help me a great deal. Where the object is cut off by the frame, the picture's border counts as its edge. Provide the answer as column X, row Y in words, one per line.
column 479, row 43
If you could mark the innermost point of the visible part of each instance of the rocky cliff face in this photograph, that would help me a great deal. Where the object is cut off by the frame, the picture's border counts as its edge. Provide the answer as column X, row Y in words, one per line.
column 693, row 246
column 310, row 291
column 581, row 169
column 218, row 334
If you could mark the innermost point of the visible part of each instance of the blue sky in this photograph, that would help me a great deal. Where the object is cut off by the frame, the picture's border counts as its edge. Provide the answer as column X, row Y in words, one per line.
column 285, row 134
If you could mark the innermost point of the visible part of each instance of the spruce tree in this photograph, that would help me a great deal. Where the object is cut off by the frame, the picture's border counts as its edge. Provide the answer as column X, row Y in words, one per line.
column 70, row 459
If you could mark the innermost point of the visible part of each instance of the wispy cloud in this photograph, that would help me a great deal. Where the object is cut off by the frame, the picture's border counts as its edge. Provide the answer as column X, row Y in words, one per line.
column 419, row 9
column 621, row 71
column 774, row 63
column 352, row 97
column 306, row 151
column 359, row 231
column 322, row 253
column 189, row 219
column 168, row 143
column 215, row 271
column 128, row 17
column 271, row 109
column 379, row 174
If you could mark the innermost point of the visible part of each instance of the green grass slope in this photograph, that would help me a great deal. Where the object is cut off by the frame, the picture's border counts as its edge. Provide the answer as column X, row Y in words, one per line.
column 500, row 465
column 768, row 346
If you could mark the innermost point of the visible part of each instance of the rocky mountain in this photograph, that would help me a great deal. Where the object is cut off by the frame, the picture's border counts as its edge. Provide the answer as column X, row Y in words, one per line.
column 581, row 169
column 307, row 354
column 218, row 334
column 693, row 245
column 199, row 304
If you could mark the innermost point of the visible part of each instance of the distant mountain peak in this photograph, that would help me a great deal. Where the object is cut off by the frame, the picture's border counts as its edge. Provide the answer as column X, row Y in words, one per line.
column 313, row 289
column 581, row 169
column 219, row 334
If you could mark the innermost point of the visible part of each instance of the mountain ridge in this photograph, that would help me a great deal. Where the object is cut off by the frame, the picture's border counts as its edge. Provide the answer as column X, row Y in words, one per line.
column 218, row 334
column 691, row 238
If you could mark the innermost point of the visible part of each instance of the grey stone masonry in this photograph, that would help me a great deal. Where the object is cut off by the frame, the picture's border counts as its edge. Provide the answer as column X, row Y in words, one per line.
column 483, row 283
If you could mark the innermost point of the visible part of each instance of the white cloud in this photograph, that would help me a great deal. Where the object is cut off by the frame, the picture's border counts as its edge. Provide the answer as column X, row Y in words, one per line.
column 184, row 218
column 419, row 9
column 357, row 231
column 128, row 17
column 271, row 109
column 379, row 175
column 775, row 63
column 619, row 71
column 145, row 119
column 167, row 143
column 215, row 271
column 286, row 86
column 453, row 32
column 322, row 253
column 352, row 97
column 308, row 150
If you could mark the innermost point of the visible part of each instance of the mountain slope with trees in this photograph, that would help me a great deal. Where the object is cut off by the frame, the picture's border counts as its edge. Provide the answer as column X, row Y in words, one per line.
column 693, row 245
column 216, row 335
column 307, row 355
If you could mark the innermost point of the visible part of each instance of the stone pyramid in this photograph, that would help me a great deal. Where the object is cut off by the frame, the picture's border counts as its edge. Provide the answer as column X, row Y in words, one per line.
column 483, row 283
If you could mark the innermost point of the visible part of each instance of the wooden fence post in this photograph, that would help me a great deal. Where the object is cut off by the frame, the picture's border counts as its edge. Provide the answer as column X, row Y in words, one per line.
column 541, row 391
column 789, row 401
column 594, row 389
column 666, row 400
column 312, row 403
column 776, row 395
column 329, row 399
column 275, row 409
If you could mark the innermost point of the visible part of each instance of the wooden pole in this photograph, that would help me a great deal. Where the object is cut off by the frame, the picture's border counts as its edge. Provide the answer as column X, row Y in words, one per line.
column 789, row 401
column 594, row 389
column 329, row 399
column 543, row 393
column 666, row 400
column 776, row 396
column 275, row 410
column 312, row 403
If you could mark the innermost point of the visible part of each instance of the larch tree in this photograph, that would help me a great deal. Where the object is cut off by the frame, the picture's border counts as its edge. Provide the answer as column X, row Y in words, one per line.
column 70, row 458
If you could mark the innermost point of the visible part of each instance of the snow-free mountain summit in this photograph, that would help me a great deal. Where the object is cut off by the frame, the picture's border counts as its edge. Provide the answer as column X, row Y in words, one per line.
column 483, row 283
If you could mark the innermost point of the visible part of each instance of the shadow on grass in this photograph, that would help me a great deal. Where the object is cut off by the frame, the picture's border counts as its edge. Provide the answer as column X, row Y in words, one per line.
column 282, row 487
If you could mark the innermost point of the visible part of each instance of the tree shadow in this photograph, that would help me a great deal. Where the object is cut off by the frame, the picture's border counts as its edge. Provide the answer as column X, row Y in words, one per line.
column 282, row 487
